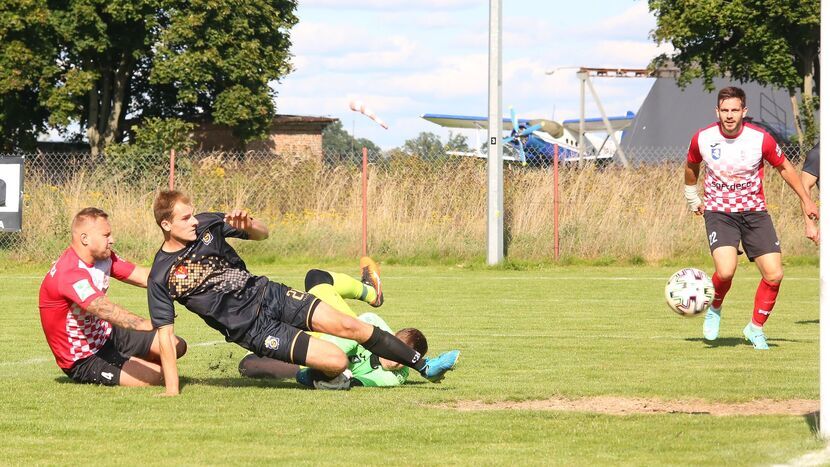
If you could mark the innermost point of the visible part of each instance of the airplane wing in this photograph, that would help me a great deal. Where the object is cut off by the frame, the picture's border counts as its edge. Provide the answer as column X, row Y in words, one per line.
column 468, row 121
column 596, row 124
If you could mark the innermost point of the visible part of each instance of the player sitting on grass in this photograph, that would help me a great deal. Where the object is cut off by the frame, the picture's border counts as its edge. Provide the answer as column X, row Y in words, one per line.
column 93, row 339
column 199, row 269
column 365, row 369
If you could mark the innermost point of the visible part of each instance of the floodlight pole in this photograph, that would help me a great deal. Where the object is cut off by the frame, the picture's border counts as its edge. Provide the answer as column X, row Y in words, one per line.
column 824, row 254
column 495, row 168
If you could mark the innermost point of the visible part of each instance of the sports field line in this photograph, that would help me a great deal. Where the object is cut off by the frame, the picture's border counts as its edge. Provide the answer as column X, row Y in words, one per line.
column 39, row 360
column 811, row 458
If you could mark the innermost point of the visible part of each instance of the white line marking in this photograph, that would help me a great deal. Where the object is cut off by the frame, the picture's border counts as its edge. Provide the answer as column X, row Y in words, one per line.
column 811, row 458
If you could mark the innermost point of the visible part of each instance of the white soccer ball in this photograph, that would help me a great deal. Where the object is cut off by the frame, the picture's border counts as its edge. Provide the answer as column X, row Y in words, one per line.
column 689, row 292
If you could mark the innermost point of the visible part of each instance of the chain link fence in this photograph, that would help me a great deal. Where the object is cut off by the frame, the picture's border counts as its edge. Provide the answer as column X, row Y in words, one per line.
column 429, row 206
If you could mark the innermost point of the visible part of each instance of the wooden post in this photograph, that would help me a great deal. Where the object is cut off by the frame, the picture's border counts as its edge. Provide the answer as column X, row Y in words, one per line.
column 171, row 183
column 556, row 202
column 364, row 249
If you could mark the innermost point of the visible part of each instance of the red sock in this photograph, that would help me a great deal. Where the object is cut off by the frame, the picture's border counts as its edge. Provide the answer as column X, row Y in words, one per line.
column 721, row 287
column 764, row 301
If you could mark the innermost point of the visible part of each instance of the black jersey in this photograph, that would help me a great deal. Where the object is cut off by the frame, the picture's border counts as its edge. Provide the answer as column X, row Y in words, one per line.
column 209, row 278
column 811, row 163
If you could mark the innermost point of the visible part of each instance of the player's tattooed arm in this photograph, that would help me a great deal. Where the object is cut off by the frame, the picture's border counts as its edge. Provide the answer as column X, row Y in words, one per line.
column 117, row 315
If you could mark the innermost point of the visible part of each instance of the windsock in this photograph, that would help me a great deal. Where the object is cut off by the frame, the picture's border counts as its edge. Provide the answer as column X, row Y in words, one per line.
column 358, row 106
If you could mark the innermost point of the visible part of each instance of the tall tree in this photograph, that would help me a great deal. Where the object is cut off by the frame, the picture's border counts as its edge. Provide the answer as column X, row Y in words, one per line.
column 773, row 42
column 337, row 141
column 427, row 145
column 104, row 59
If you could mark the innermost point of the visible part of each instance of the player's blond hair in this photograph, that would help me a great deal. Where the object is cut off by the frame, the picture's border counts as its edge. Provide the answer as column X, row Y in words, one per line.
column 165, row 202
column 88, row 214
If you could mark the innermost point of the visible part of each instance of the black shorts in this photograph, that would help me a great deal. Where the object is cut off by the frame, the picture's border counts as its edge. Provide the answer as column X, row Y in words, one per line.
column 278, row 329
column 753, row 229
column 104, row 367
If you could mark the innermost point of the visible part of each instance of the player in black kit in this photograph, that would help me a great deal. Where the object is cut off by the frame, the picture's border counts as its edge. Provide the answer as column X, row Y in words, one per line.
column 199, row 269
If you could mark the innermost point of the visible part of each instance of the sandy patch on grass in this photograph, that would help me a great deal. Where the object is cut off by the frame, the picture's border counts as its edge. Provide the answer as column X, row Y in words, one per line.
column 612, row 405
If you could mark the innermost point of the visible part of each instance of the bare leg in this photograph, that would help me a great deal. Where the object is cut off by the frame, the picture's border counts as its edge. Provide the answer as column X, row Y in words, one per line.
column 325, row 356
column 138, row 372
column 726, row 261
column 154, row 355
column 770, row 267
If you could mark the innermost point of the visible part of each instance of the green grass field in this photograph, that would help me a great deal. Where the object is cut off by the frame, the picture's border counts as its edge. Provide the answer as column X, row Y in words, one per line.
column 570, row 332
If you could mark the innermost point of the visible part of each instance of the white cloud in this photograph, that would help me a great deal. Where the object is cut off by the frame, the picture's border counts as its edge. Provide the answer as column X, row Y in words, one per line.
column 634, row 23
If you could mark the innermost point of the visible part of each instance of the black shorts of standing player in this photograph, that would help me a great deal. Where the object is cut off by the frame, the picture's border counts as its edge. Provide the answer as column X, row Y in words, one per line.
column 752, row 229
column 105, row 366
column 278, row 331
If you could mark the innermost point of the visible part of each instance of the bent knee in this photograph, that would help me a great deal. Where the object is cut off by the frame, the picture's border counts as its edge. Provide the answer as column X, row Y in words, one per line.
column 316, row 277
column 181, row 347
column 774, row 277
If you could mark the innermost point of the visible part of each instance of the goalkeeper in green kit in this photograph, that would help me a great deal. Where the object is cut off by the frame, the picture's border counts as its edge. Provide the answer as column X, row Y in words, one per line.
column 365, row 368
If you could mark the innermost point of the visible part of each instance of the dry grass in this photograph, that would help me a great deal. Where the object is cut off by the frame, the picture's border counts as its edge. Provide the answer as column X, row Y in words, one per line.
column 416, row 210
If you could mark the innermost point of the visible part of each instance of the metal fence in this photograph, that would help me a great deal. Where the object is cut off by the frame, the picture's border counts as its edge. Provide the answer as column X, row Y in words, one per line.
column 430, row 205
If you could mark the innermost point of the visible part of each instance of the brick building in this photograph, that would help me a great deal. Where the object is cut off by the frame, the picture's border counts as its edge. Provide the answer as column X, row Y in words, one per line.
column 289, row 135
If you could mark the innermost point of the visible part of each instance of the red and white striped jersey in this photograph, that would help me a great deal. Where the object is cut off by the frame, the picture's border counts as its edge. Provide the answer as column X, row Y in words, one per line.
column 734, row 174
column 66, row 291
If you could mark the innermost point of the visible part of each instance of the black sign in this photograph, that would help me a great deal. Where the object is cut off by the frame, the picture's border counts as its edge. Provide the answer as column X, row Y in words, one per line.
column 11, row 194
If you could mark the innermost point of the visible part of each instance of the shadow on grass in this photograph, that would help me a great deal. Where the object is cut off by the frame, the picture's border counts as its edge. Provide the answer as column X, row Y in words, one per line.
column 809, row 321
column 812, row 420
column 722, row 342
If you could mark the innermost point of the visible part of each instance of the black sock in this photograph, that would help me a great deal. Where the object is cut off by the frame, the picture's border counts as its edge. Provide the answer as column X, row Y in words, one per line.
column 387, row 346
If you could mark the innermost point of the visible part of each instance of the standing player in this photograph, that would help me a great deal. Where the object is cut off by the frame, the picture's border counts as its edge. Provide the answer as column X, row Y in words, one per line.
column 365, row 368
column 93, row 339
column 809, row 178
column 198, row 268
column 735, row 210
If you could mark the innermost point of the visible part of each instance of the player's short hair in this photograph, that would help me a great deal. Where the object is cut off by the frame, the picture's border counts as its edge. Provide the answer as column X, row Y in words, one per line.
column 730, row 92
column 413, row 338
column 165, row 202
column 88, row 214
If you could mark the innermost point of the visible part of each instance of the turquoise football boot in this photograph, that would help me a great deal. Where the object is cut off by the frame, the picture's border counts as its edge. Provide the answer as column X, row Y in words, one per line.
column 711, row 324
column 438, row 367
column 756, row 336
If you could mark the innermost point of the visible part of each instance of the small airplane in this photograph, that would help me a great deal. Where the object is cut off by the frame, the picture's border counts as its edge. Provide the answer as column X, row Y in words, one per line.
column 535, row 141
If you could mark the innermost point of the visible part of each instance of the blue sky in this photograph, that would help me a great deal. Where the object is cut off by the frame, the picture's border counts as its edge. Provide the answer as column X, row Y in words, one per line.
column 404, row 58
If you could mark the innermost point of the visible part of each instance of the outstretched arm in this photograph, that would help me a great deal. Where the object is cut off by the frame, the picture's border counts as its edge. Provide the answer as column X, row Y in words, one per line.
column 790, row 175
column 138, row 277
column 117, row 315
column 810, row 228
column 167, row 351
column 240, row 220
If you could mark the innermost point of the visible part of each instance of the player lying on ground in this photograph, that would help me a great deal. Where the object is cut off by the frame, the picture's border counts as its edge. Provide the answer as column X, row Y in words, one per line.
column 93, row 339
column 365, row 369
column 734, row 209
column 199, row 269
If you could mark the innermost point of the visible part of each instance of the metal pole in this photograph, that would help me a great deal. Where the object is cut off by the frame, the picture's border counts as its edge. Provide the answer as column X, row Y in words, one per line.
column 171, row 182
column 607, row 123
column 582, row 75
column 365, row 177
column 824, row 254
column 556, row 202
column 495, row 168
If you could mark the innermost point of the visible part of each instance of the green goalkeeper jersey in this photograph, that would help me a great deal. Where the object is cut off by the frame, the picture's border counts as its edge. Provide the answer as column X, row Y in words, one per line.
column 364, row 365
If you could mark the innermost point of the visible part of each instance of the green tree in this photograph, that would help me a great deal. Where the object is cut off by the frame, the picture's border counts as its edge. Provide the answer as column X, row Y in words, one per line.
column 427, row 145
column 457, row 142
column 338, row 142
column 773, row 42
column 96, row 61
